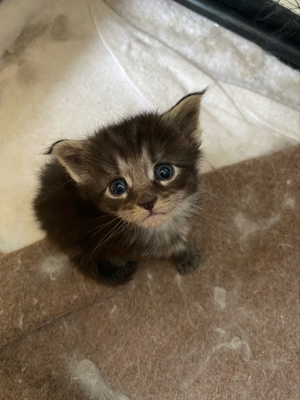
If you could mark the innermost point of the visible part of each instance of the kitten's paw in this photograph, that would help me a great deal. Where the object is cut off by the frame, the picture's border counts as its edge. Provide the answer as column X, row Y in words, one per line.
column 188, row 261
column 115, row 275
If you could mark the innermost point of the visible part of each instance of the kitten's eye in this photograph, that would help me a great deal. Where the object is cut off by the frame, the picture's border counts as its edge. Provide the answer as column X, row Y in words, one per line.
column 118, row 187
column 163, row 172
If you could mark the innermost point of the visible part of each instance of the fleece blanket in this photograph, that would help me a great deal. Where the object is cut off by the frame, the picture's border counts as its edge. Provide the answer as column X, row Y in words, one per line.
column 230, row 330
column 68, row 66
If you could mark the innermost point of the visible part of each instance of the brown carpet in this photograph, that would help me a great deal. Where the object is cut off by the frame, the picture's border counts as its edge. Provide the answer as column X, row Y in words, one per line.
column 230, row 331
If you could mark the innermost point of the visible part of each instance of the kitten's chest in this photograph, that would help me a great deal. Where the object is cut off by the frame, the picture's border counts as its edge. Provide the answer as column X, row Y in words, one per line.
column 160, row 241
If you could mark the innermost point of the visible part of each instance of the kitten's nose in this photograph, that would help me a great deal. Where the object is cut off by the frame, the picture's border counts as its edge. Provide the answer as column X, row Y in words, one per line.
column 147, row 201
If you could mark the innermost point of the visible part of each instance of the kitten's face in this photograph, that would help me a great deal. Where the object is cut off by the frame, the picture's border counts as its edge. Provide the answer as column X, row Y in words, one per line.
column 143, row 170
column 149, row 192
column 148, row 173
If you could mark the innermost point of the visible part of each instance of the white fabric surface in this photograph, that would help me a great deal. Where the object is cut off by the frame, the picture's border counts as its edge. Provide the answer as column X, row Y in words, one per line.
column 82, row 64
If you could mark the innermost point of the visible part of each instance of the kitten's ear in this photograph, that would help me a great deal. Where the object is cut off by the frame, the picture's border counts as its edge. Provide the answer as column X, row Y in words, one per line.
column 185, row 114
column 70, row 154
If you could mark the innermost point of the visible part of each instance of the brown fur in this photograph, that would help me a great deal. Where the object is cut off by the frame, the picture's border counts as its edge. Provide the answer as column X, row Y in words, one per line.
column 104, row 234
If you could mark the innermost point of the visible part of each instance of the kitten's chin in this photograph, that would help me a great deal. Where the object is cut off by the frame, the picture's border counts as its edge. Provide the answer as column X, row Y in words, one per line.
column 153, row 220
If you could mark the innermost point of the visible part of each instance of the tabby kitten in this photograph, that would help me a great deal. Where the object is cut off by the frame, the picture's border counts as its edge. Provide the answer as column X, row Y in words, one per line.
column 126, row 193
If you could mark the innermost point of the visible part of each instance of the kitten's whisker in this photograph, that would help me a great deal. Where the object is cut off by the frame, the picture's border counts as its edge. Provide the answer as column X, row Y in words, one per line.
column 185, row 217
column 188, row 213
column 112, row 231
column 113, row 234
column 107, row 216
column 89, row 222
column 211, row 213
column 198, row 208
column 202, row 195
column 203, row 213
column 101, row 227
column 99, row 244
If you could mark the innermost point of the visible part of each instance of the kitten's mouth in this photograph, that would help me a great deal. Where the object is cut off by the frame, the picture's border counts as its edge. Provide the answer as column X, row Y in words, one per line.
column 154, row 218
column 154, row 214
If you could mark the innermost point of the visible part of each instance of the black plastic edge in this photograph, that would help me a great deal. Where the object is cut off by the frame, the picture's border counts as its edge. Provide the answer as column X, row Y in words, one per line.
column 244, row 26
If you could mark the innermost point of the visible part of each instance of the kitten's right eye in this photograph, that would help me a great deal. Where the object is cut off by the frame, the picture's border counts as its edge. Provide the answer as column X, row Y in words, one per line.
column 118, row 187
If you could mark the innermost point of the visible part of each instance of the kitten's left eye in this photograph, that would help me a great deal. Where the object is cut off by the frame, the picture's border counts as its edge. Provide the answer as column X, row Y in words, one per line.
column 118, row 187
column 163, row 172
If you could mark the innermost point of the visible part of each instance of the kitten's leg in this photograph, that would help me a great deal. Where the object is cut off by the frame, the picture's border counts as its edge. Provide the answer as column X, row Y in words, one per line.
column 115, row 273
column 187, row 259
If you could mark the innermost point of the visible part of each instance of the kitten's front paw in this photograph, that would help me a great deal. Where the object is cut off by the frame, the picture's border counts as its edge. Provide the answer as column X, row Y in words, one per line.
column 115, row 275
column 188, row 261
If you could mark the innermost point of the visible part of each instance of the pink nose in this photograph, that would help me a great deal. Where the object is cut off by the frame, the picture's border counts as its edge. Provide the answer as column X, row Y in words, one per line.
column 147, row 201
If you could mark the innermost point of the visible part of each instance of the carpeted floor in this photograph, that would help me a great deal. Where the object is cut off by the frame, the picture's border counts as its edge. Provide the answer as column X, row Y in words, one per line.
column 228, row 331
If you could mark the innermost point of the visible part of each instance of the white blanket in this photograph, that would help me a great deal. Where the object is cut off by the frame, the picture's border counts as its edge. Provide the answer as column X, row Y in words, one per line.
column 79, row 64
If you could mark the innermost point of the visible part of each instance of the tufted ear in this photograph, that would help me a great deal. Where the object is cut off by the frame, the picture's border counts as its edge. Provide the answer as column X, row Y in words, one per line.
column 70, row 154
column 185, row 114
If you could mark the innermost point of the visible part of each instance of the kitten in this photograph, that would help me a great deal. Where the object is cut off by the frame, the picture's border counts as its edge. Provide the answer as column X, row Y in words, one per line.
column 126, row 193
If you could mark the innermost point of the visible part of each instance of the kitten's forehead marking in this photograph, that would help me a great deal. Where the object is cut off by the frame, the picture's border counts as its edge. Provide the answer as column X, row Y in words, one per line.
column 128, row 180
column 151, row 173
column 138, row 171
column 147, row 164
column 122, row 165
column 124, row 171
